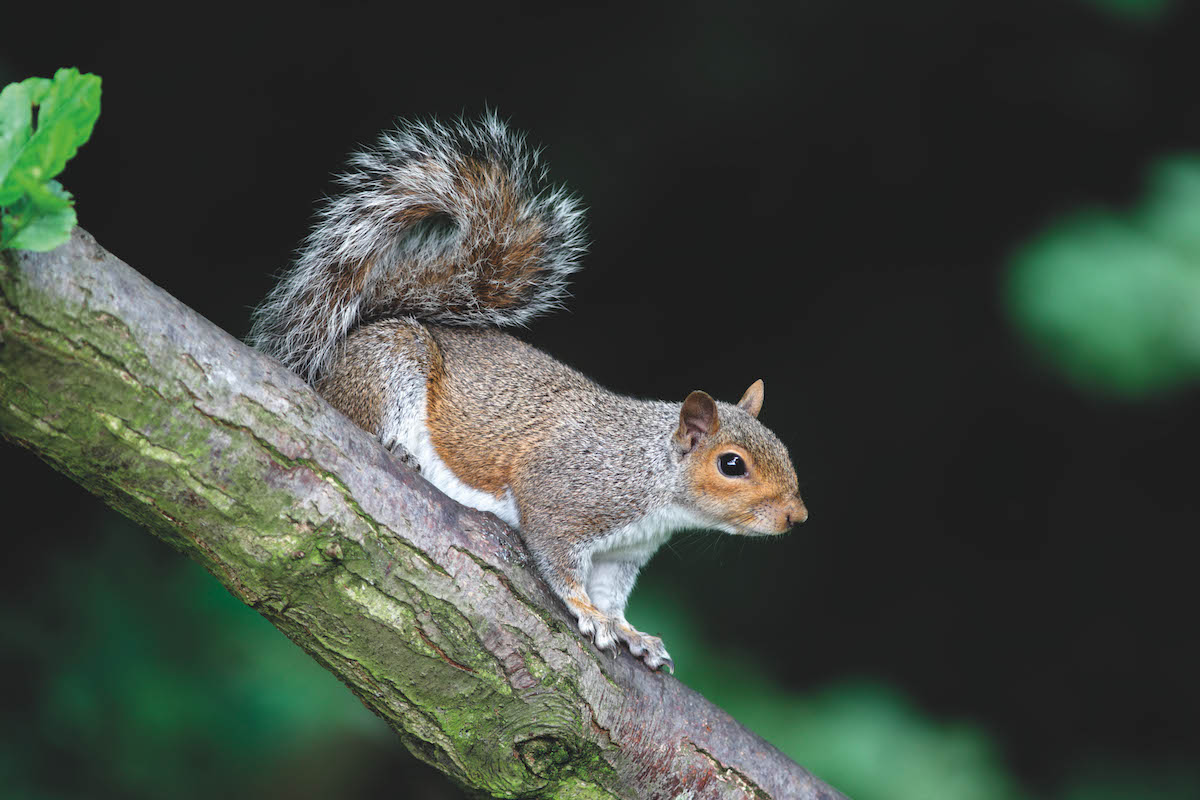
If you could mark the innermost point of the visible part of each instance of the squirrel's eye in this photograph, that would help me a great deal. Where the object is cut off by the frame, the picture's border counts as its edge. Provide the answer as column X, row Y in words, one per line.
column 731, row 465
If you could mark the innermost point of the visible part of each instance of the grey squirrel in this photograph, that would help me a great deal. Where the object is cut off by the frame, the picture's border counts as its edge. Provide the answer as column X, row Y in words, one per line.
column 443, row 235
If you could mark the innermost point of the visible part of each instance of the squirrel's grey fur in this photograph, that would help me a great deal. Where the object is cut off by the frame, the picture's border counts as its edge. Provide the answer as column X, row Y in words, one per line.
column 429, row 212
column 444, row 234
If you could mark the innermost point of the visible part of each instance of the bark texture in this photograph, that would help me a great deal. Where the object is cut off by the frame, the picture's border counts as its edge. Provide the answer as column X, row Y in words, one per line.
column 431, row 613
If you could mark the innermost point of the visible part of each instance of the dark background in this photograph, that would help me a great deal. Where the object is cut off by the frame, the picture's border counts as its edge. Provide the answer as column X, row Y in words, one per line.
column 823, row 194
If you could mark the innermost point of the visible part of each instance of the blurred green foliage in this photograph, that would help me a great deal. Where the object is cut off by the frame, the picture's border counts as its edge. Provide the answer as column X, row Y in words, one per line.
column 1118, row 781
column 859, row 735
column 872, row 742
column 147, row 679
column 1134, row 10
column 1112, row 300
column 146, row 673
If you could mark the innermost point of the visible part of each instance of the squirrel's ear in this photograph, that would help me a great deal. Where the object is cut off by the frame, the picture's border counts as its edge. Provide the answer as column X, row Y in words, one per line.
column 752, row 400
column 697, row 419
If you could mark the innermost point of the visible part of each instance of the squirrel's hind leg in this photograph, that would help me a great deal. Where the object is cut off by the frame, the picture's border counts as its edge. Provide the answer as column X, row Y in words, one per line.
column 377, row 379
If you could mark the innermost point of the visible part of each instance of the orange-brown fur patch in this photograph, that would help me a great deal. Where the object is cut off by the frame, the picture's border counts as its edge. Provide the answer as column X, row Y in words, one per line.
column 513, row 264
column 741, row 497
column 348, row 281
column 478, row 447
column 584, row 606
column 414, row 213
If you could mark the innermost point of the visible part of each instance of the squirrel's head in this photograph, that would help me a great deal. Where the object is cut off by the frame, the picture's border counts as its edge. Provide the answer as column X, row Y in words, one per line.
column 736, row 470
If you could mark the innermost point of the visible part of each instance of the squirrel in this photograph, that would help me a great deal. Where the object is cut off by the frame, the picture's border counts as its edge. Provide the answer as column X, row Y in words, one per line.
column 443, row 235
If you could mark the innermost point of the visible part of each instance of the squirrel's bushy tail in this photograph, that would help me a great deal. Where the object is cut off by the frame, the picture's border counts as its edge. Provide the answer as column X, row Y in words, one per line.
column 446, row 223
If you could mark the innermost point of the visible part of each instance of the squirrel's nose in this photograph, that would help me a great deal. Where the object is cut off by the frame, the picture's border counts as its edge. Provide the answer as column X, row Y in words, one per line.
column 796, row 512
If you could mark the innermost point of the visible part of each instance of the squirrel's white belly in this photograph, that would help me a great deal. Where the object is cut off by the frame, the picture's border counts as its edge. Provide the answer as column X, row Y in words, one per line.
column 441, row 476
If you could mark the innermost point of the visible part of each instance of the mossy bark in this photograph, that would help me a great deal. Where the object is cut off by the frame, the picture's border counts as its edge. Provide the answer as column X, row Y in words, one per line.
column 429, row 612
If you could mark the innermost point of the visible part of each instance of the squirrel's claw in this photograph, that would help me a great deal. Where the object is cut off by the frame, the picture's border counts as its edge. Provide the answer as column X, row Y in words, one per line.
column 659, row 659
column 608, row 632
column 404, row 456
column 601, row 630
column 646, row 647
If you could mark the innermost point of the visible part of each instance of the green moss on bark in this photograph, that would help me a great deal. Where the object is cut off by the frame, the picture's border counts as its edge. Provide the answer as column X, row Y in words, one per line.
column 77, row 388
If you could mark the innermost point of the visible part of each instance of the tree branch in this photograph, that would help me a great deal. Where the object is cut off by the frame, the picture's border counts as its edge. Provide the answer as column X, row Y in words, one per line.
column 431, row 613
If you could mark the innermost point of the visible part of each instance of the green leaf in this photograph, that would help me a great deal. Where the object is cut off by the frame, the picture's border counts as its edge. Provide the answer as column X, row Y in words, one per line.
column 36, row 209
column 15, row 217
column 49, row 196
column 45, row 231
column 37, row 88
column 65, row 119
column 16, row 126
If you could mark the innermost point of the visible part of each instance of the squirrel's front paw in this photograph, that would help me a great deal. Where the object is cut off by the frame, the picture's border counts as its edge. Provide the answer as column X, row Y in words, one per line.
column 607, row 631
column 596, row 626
column 646, row 647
